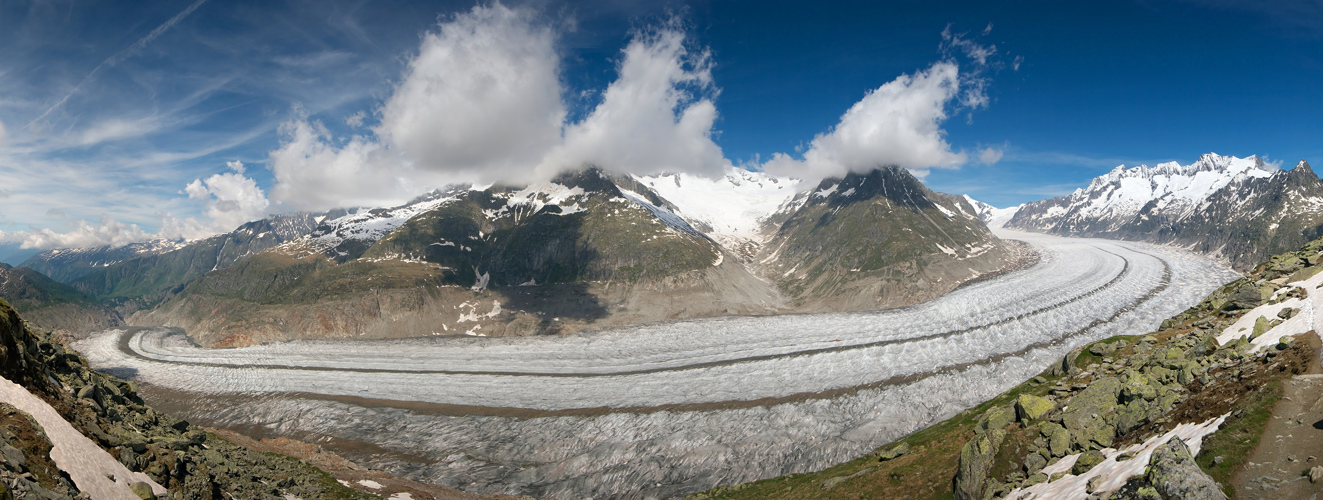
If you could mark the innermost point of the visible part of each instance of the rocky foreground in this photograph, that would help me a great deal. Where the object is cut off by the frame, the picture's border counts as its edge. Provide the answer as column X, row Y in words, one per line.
column 1168, row 415
column 154, row 451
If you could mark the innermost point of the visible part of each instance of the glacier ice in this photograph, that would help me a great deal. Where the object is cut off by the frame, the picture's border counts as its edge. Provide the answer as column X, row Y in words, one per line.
column 667, row 409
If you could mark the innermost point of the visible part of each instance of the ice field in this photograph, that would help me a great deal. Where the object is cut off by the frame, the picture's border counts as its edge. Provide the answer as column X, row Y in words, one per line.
column 740, row 398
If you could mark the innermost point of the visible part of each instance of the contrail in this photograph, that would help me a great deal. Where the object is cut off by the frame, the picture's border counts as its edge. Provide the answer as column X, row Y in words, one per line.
column 120, row 56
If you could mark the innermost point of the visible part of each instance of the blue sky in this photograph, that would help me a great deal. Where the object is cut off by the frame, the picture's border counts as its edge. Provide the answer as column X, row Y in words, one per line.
column 124, row 120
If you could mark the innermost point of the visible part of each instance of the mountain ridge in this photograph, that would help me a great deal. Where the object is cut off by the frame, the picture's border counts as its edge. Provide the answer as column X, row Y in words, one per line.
column 1237, row 209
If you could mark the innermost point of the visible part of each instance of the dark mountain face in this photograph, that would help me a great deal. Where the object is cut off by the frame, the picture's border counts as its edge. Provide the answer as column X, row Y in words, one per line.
column 52, row 305
column 143, row 281
column 1239, row 210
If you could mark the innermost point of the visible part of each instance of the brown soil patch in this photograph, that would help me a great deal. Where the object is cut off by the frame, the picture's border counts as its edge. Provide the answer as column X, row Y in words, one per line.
column 28, row 437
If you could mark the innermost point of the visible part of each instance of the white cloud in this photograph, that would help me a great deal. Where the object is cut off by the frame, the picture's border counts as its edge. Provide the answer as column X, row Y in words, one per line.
column 482, row 102
column 116, row 129
column 228, row 199
column 355, row 120
column 989, row 156
column 479, row 103
column 653, row 117
column 898, row 123
column 3, row 134
column 481, row 97
column 82, row 234
column 311, row 173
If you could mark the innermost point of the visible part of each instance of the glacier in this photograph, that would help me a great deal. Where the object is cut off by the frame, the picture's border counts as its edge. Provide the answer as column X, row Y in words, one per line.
column 662, row 410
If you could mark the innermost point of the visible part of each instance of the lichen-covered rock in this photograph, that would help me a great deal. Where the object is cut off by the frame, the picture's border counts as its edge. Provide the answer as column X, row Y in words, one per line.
column 1058, row 439
column 997, row 417
column 1087, row 461
column 1261, row 325
column 1137, row 386
column 976, row 459
column 1029, row 407
column 1034, row 463
column 893, row 453
column 1173, row 472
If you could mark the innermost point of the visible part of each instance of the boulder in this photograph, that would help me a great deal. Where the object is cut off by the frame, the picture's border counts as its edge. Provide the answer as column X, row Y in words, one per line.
column 893, row 453
column 1316, row 474
column 975, row 463
column 1102, row 348
column 1035, row 463
column 1087, row 461
column 997, row 417
column 143, row 490
column 1247, row 296
column 1173, row 473
column 1029, row 407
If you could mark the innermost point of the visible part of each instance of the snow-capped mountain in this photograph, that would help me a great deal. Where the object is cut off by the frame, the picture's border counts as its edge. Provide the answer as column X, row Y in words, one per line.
column 736, row 210
column 592, row 248
column 992, row 216
column 68, row 264
column 1240, row 209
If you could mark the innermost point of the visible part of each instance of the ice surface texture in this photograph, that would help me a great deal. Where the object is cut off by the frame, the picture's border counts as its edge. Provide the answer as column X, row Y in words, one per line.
column 888, row 373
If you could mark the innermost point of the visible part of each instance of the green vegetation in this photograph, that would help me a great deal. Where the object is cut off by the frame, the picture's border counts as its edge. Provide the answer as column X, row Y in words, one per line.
column 1239, row 435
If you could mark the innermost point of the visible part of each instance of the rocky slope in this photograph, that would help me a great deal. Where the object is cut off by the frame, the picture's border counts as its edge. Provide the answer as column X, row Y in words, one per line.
column 50, row 305
column 1173, row 414
column 190, row 463
column 875, row 240
column 1238, row 209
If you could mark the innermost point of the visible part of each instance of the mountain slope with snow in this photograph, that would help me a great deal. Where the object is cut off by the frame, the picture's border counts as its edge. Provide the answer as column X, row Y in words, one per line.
column 734, row 210
column 878, row 239
column 992, row 216
column 587, row 248
column 1239, row 209
column 68, row 264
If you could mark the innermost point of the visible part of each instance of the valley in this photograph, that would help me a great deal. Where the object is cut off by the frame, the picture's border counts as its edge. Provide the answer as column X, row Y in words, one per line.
column 668, row 408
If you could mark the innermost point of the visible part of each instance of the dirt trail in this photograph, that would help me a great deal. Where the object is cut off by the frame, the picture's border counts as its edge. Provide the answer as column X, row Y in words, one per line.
column 1292, row 442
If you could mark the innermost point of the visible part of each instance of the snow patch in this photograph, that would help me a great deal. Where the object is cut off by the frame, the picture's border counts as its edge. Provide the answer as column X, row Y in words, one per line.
column 1114, row 473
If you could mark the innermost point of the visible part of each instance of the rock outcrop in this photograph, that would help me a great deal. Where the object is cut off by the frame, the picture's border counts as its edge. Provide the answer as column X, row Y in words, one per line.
column 191, row 463
column 1173, row 473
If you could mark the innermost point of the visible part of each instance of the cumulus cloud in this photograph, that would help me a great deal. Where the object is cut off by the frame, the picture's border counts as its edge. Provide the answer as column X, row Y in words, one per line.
column 82, row 234
column 898, row 123
column 656, row 116
column 228, row 199
column 480, row 102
